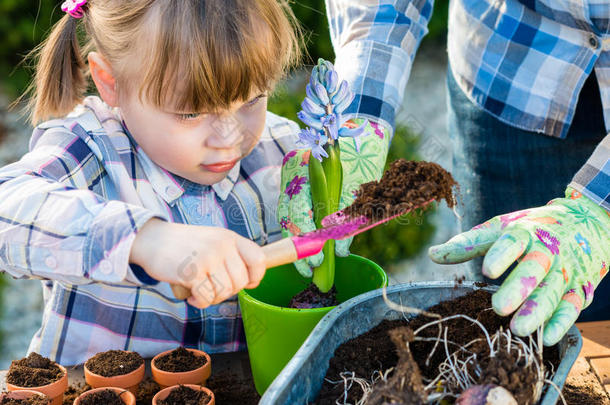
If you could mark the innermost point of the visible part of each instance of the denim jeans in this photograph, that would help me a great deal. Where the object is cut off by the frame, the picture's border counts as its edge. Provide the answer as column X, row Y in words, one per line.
column 501, row 168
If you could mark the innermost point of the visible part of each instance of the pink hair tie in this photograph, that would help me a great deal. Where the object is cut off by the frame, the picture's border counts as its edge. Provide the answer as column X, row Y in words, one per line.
column 74, row 7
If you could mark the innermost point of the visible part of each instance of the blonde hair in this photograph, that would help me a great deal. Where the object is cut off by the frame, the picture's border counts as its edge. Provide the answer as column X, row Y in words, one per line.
column 216, row 51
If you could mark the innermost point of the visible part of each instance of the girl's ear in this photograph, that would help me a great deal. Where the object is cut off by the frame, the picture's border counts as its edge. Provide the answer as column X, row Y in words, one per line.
column 104, row 80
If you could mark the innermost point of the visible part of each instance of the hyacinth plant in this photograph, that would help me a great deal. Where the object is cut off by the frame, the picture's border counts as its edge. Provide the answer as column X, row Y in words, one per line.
column 322, row 111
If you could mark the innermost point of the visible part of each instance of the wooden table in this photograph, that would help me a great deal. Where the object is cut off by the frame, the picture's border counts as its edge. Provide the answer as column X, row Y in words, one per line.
column 592, row 368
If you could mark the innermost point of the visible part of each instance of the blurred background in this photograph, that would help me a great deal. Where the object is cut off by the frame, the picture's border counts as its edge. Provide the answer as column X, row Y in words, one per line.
column 399, row 247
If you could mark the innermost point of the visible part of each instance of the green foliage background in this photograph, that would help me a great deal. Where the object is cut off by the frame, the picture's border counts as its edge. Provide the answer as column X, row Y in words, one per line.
column 24, row 23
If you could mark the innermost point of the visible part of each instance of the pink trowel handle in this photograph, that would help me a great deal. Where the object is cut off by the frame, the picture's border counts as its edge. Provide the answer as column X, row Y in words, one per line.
column 283, row 251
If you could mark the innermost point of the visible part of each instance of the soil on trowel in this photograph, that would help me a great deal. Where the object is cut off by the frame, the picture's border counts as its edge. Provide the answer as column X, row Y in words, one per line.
column 29, row 401
column 180, row 360
column 374, row 350
column 106, row 397
column 33, row 371
column 405, row 386
column 185, row 395
column 114, row 362
column 404, row 186
column 312, row 297
column 232, row 389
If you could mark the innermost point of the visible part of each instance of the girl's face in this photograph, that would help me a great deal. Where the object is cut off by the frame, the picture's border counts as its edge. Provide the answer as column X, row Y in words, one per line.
column 200, row 147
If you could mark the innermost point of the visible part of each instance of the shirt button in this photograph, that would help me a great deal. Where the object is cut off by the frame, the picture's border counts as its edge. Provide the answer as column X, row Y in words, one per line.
column 51, row 262
column 593, row 41
column 172, row 192
column 105, row 266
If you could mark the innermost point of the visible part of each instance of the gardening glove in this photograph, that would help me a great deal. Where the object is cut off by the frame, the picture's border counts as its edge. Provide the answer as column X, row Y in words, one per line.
column 563, row 251
column 362, row 159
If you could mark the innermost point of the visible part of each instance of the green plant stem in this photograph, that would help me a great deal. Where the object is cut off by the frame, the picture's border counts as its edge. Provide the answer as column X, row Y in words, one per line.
column 326, row 202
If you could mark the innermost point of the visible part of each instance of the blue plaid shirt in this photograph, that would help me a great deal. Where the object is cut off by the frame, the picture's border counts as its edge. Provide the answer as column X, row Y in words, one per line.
column 522, row 61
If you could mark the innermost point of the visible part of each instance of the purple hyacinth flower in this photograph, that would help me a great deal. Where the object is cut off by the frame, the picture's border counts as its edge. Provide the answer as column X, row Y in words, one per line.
column 315, row 141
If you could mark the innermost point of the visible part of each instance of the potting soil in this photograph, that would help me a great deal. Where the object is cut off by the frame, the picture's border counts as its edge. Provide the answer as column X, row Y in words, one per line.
column 29, row 401
column 584, row 395
column 180, row 360
column 73, row 392
column 33, row 371
column 185, row 396
column 312, row 297
column 106, row 397
column 114, row 362
column 404, row 186
column 375, row 351
column 232, row 389
column 146, row 391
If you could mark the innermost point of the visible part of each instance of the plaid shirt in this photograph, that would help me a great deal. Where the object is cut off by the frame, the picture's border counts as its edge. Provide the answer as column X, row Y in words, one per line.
column 71, row 207
column 524, row 62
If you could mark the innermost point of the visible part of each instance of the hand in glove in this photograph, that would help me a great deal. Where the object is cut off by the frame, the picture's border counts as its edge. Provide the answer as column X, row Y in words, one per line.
column 563, row 250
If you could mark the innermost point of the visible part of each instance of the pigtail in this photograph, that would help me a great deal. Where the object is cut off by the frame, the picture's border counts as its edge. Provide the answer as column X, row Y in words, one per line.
column 59, row 81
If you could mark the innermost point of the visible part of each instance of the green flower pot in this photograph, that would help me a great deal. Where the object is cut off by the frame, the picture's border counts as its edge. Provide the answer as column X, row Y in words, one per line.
column 275, row 333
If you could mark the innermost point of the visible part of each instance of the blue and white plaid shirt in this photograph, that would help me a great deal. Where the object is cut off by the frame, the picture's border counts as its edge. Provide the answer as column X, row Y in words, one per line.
column 523, row 61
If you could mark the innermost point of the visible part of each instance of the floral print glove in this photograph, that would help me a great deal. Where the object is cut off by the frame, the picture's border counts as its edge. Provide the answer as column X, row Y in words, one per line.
column 563, row 250
column 363, row 160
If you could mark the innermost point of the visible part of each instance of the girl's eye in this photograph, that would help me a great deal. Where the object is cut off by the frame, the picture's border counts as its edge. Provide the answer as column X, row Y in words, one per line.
column 189, row 116
column 255, row 101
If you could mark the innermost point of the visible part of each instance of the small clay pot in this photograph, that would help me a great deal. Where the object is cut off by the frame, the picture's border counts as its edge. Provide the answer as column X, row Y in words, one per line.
column 55, row 390
column 23, row 394
column 164, row 393
column 130, row 381
column 126, row 396
column 197, row 376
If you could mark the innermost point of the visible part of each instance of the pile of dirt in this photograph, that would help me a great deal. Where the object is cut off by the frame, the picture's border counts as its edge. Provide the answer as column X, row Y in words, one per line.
column 33, row 371
column 404, row 186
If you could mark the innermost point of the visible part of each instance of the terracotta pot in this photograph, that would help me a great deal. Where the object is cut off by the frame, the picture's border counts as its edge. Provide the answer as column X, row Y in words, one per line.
column 130, row 381
column 22, row 394
column 198, row 376
column 164, row 393
column 126, row 396
column 55, row 390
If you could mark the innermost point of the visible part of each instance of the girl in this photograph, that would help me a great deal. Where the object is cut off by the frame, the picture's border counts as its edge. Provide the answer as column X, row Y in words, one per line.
column 178, row 135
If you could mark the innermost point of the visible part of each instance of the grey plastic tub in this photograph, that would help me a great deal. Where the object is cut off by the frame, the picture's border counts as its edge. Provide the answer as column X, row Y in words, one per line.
column 301, row 379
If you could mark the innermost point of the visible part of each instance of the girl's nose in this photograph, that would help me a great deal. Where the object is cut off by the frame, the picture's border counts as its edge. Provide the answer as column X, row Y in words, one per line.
column 226, row 132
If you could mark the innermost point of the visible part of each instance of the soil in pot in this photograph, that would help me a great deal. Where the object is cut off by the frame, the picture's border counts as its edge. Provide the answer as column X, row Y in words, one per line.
column 29, row 401
column 33, row 371
column 114, row 362
column 405, row 185
column 374, row 350
column 106, row 397
column 185, row 396
column 312, row 297
column 180, row 360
